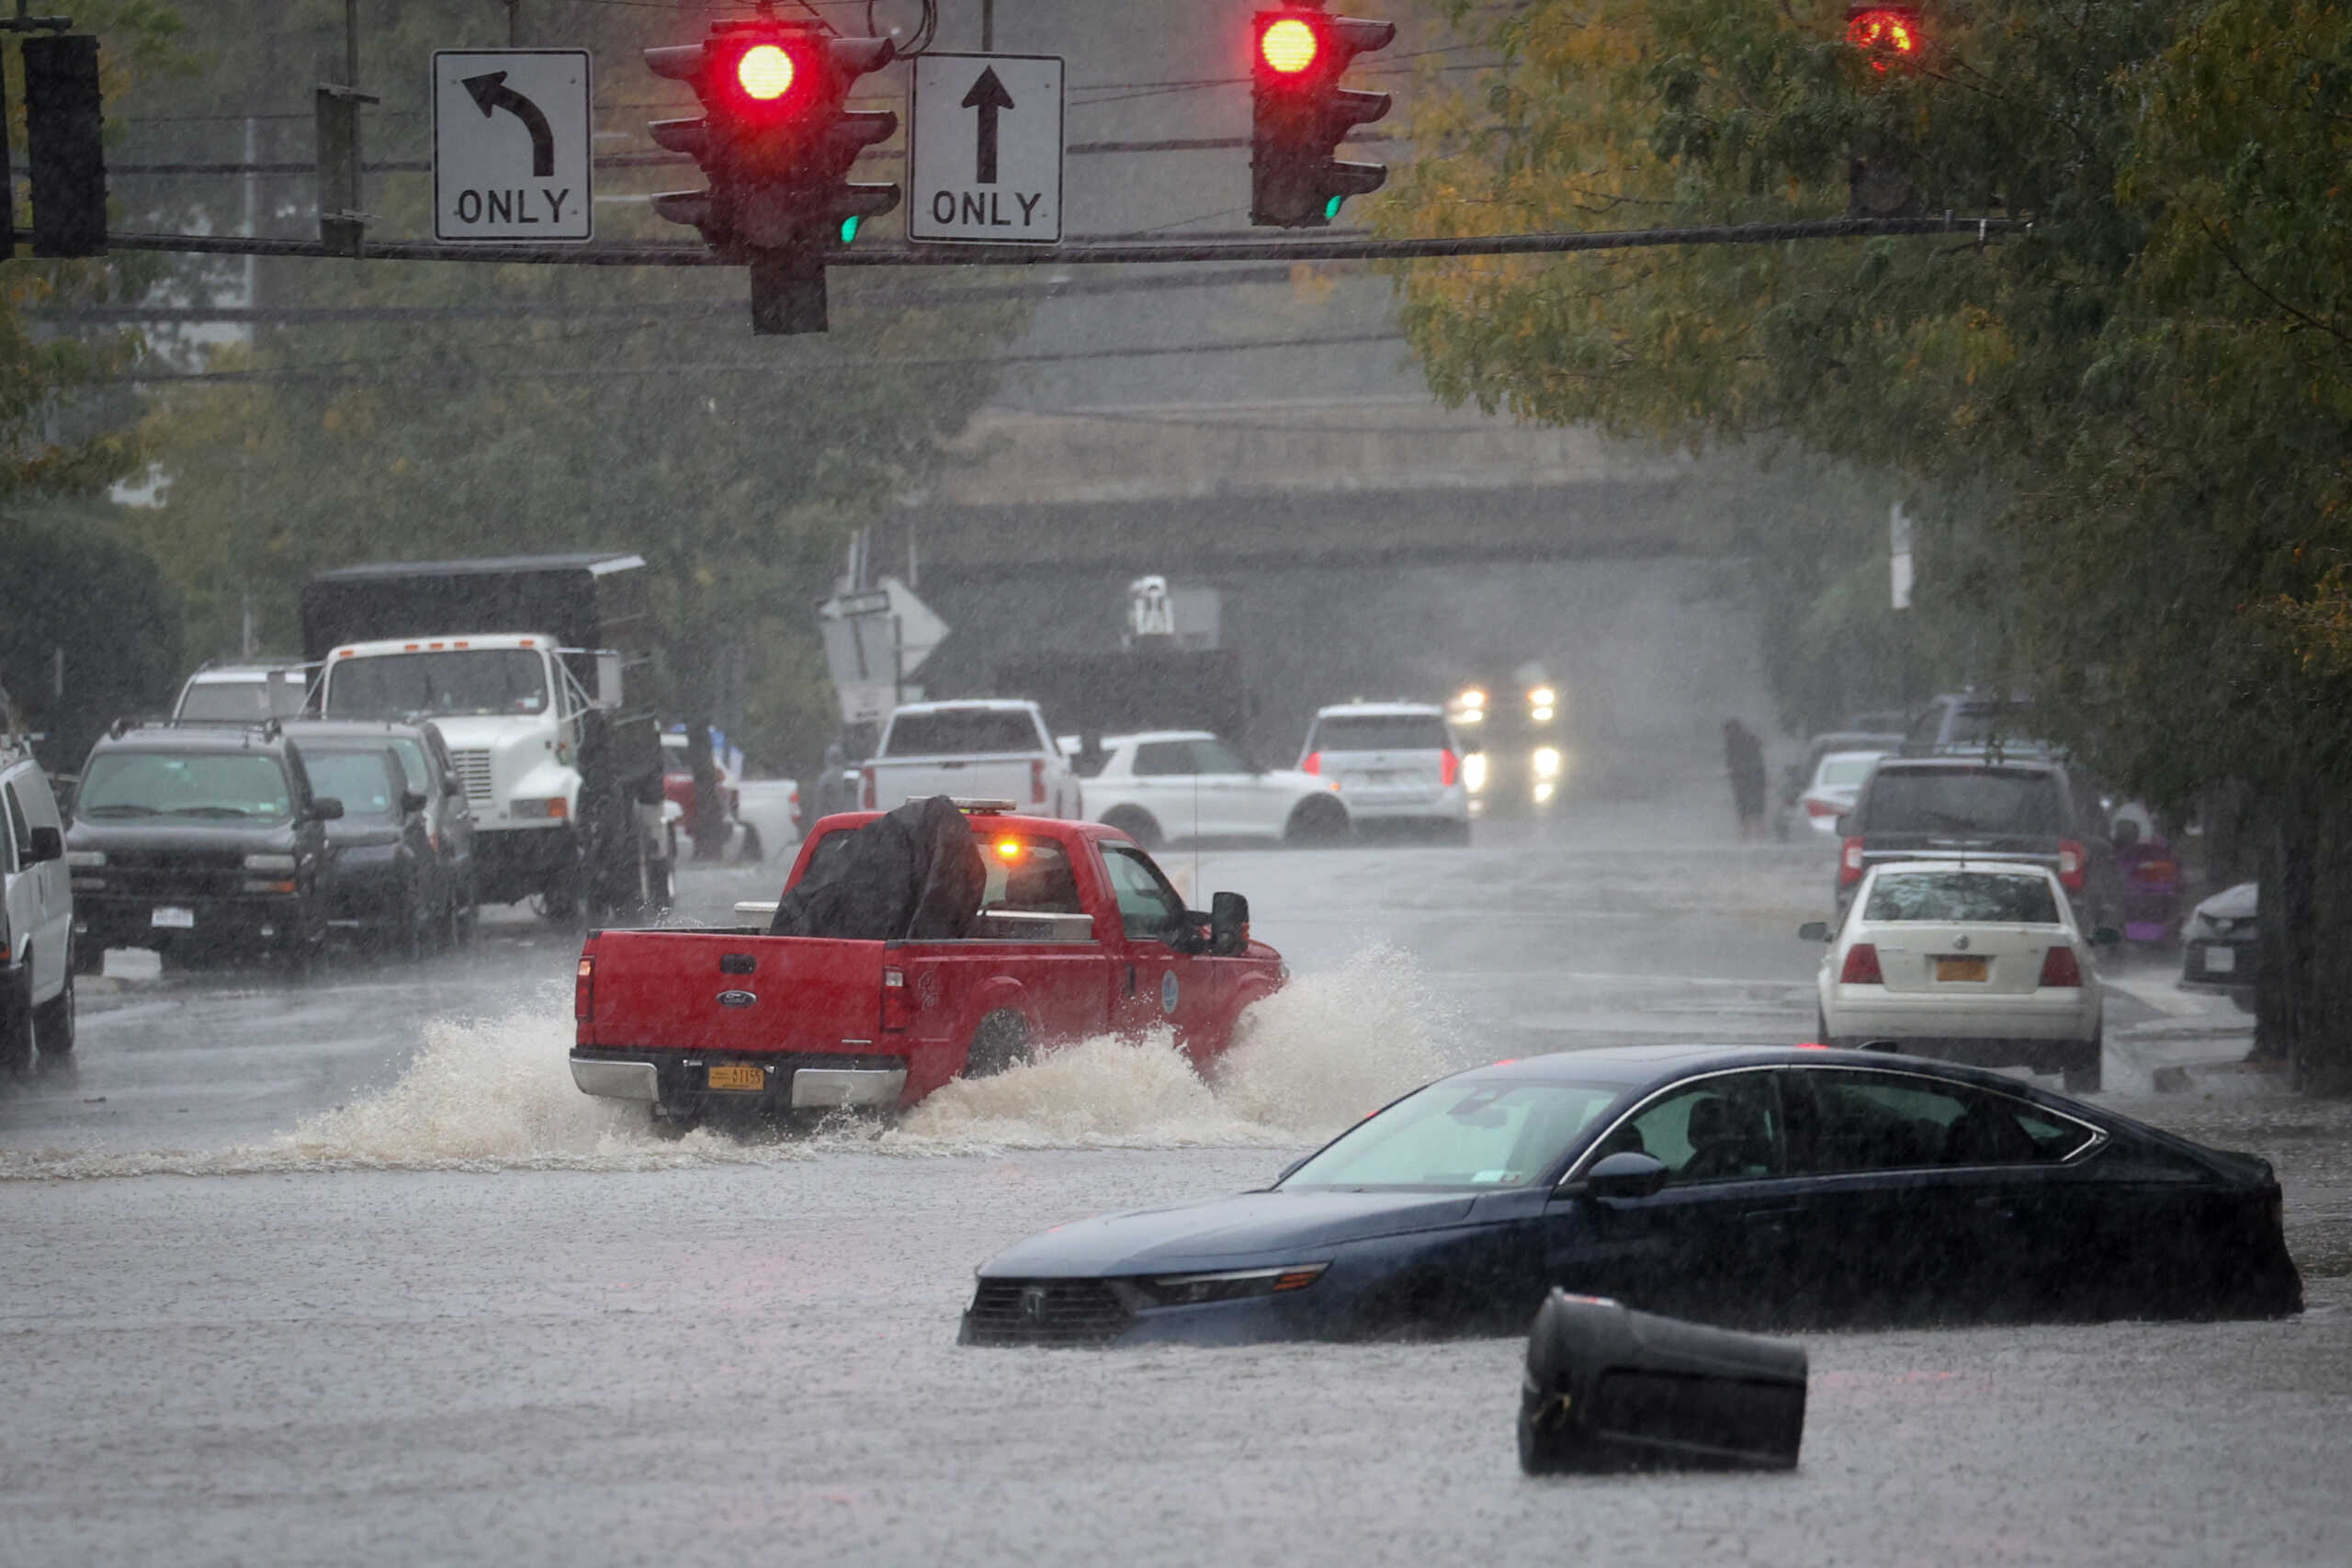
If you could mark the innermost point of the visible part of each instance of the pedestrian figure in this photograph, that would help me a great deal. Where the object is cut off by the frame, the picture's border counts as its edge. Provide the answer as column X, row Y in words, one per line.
column 1744, row 759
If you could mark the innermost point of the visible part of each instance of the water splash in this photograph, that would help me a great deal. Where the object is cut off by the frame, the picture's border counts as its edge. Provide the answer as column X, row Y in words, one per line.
column 497, row 1095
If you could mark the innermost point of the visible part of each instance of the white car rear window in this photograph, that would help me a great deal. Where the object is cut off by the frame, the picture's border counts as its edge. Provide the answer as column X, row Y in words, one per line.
column 1999, row 897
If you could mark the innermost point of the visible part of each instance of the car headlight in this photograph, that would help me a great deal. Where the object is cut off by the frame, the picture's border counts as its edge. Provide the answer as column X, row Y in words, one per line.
column 269, row 863
column 1542, row 697
column 555, row 807
column 85, row 857
column 1474, row 771
column 1546, row 762
column 1189, row 1290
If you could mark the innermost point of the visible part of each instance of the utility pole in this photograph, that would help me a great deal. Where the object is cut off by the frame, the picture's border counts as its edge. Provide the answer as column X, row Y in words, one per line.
column 342, row 217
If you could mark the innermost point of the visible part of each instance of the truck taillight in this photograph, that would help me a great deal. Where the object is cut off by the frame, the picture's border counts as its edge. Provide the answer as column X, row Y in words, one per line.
column 1850, row 864
column 2070, row 865
column 1862, row 966
column 897, row 1000
column 1036, row 781
column 2059, row 968
column 1312, row 764
column 1816, row 807
column 583, row 990
column 873, row 793
column 1449, row 768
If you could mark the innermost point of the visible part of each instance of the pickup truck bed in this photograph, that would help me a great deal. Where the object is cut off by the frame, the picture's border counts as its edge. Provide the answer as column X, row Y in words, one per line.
column 735, row 1018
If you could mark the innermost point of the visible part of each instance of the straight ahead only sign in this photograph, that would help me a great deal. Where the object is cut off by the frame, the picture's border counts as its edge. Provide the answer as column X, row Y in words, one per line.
column 984, row 149
column 510, row 145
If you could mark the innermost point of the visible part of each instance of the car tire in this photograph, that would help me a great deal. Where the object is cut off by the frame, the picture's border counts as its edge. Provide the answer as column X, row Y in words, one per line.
column 2089, row 1078
column 89, row 958
column 1136, row 825
column 1315, row 822
column 753, row 851
column 16, row 1022
column 1000, row 1042
column 1456, row 833
column 53, row 1020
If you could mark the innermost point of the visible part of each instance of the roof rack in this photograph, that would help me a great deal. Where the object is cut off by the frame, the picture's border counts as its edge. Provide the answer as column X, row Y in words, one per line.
column 270, row 729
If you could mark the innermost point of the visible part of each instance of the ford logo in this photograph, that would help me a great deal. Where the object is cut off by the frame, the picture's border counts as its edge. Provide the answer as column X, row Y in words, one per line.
column 736, row 999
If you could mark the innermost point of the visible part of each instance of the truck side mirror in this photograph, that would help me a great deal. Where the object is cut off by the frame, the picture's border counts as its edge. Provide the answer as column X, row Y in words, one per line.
column 451, row 783
column 1814, row 931
column 1228, row 925
column 412, row 801
column 326, row 808
column 48, row 844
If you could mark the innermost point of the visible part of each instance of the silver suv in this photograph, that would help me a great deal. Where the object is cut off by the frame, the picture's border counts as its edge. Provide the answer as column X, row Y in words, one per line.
column 37, row 928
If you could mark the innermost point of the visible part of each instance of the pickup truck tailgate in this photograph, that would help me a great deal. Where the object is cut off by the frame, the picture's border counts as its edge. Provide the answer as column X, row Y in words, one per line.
column 733, row 991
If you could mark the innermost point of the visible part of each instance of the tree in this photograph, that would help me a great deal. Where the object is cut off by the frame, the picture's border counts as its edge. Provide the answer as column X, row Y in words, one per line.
column 2132, row 420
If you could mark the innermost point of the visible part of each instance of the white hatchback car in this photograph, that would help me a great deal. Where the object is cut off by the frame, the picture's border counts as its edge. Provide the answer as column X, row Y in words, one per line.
column 36, row 915
column 1395, row 763
column 1976, row 962
column 1187, row 783
column 1830, row 793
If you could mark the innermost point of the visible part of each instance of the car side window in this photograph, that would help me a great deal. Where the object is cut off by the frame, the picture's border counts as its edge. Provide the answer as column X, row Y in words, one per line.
column 1148, row 908
column 413, row 764
column 19, row 835
column 1726, row 1128
column 1161, row 759
column 1852, row 1121
column 1030, row 875
column 1216, row 757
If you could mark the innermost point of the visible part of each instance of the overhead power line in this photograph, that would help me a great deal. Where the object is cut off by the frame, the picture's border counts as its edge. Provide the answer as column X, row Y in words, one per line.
column 1111, row 252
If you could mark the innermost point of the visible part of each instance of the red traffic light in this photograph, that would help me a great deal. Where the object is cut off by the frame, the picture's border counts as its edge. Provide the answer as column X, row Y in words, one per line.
column 1288, row 45
column 1885, row 31
column 765, row 72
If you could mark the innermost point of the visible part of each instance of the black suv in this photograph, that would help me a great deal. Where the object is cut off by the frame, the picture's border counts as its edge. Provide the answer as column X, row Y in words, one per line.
column 198, row 838
column 1958, row 807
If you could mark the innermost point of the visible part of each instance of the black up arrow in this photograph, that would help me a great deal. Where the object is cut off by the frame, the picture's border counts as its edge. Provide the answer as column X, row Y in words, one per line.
column 988, row 97
column 492, row 94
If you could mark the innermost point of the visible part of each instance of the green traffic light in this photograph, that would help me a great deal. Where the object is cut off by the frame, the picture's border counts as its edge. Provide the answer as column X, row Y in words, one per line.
column 1331, row 208
column 849, row 231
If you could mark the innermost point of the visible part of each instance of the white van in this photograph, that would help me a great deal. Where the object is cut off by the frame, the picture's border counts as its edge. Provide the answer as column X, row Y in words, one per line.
column 37, row 928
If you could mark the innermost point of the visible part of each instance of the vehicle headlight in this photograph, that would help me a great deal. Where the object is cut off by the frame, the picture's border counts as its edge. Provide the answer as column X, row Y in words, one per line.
column 269, row 863
column 1545, row 760
column 1474, row 771
column 1542, row 697
column 1189, row 1290
column 555, row 807
column 85, row 857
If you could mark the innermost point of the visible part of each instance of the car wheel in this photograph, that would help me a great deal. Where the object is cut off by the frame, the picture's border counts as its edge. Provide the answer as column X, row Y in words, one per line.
column 16, row 1022
column 1136, row 825
column 1317, row 821
column 2088, row 1078
column 1000, row 1042
column 53, row 1020
column 753, row 851
column 89, row 958
column 1454, row 832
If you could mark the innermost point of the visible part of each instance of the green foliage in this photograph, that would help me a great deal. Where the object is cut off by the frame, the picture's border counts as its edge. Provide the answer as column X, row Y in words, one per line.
column 76, row 593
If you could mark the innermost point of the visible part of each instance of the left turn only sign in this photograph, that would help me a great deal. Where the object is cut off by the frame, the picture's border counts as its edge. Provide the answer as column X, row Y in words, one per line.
column 511, row 144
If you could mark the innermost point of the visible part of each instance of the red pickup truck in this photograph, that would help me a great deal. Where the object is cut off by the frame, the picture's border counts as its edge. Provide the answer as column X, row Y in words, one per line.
column 1078, row 932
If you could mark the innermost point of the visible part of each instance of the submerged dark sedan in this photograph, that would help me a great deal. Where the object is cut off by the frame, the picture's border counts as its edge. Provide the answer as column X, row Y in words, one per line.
column 1739, row 1185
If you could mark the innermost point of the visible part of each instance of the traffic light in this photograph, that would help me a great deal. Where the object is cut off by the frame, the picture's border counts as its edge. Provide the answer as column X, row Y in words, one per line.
column 776, row 141
column 1300, row 113
column 68, row 163
column 1886, row 34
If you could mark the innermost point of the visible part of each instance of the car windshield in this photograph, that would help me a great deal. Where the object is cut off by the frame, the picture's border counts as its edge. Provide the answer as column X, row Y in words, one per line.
column 1964, row 800
column 361, row 780
column 393, row 685
column 1378, row 732
column 229, row 785
column 2005, row 897
column 956, row 732
column 1844, row 770
column 244, row 698
column 1460, row 1134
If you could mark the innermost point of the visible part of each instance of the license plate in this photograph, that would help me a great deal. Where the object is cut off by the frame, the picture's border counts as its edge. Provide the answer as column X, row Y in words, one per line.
column 167, row 917
column 1963, row 968
column 735, row 1076
column 2221, row 960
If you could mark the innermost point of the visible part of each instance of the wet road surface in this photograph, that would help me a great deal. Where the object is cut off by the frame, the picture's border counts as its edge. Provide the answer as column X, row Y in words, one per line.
column 419, row 1301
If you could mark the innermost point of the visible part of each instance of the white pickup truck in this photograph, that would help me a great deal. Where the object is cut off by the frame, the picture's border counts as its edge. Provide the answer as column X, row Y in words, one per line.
column 982, row 749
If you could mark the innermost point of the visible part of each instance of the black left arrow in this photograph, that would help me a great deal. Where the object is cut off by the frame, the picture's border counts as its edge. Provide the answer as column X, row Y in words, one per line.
column 492, row 94
column 988, row 97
